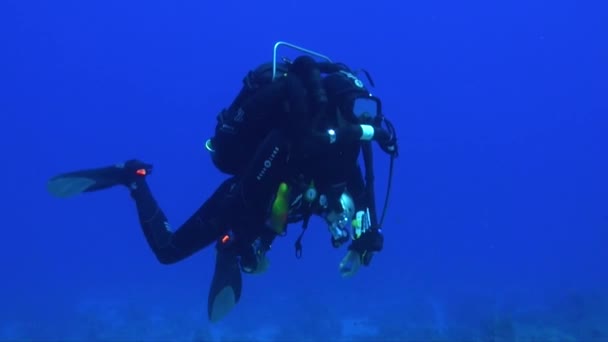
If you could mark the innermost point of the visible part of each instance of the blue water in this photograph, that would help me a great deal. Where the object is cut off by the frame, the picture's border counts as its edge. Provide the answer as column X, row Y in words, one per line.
column 498, row 219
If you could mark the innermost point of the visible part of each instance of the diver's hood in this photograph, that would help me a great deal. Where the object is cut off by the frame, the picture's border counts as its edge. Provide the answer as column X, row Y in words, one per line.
column 346, row 92
column 343, row 85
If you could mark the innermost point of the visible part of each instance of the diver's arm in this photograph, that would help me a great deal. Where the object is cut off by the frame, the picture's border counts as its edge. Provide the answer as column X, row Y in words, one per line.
column 355, row 185
column 367, row 238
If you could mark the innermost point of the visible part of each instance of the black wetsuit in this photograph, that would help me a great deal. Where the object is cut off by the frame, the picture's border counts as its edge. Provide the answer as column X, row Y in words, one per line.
column 215, row 217
column 285, row 109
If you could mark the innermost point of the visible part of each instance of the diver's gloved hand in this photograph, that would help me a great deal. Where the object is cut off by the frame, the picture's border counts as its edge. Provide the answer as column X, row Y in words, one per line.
column 386, row 140
column 367, row 244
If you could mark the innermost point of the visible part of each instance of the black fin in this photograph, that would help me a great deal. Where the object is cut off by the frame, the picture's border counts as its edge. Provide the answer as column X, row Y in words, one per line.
column 226, row 286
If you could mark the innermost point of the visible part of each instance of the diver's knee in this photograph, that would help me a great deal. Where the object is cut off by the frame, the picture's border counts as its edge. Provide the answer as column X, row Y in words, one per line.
column 166, row 258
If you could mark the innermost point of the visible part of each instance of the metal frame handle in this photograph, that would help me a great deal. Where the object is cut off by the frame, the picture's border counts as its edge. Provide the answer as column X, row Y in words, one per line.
column 295, row 47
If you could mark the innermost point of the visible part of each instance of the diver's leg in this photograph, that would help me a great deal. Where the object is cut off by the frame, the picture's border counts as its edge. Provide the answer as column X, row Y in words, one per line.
column 203, row 228
column 200, row 230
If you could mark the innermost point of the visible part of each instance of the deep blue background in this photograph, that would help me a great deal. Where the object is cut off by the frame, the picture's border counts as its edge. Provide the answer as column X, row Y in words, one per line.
column 500, row 192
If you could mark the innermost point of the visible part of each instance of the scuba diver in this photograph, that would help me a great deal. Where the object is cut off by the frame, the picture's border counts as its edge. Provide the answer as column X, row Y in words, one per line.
column 329, row 182
column 279, row 119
